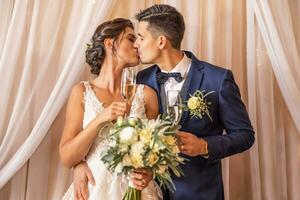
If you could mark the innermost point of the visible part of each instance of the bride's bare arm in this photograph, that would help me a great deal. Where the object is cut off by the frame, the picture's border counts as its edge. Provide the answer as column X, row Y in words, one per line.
column 151, row 102
column 76, row 142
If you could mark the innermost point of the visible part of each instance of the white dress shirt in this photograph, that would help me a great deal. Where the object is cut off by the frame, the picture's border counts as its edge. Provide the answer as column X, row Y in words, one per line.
column 171, row 84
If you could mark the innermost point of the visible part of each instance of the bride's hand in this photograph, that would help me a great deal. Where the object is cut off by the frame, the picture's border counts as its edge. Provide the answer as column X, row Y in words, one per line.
column 141, row 178
column 114, row 110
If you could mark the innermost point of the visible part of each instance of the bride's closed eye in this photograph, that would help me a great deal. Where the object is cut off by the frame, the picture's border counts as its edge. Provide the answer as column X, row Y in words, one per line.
column 131, row 37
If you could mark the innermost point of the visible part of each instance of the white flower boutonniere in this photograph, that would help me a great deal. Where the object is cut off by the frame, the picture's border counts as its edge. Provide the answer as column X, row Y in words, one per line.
column 198, row 105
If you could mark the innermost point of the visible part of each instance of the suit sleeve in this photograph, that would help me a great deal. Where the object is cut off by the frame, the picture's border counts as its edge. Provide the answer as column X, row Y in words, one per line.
column 235, row 120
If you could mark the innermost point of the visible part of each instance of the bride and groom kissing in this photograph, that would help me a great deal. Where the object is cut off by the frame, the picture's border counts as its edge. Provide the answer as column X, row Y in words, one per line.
column 115, row 46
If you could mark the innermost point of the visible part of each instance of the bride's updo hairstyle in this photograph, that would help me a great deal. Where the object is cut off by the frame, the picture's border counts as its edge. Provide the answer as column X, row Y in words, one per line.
column 95, row 52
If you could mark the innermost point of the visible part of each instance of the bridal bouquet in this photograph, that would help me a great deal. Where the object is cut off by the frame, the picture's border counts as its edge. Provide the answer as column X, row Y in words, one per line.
column 142, row 143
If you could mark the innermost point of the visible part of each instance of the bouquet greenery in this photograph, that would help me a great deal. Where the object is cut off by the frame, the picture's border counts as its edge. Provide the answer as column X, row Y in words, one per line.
column 141, row 143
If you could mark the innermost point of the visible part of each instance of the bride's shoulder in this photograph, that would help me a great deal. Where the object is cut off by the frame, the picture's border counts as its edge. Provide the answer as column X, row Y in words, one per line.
column 78, row 90
column 79, row 87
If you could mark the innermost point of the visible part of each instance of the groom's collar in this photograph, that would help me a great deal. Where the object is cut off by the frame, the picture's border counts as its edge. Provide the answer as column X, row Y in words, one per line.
column 181, row 66
column 195, row 61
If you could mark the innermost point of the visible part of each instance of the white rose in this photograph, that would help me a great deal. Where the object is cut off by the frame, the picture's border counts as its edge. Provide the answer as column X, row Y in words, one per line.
column 127, row 135
column 137, row 148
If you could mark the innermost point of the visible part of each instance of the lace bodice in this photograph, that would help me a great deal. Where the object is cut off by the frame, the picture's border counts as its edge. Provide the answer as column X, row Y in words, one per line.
column 92, row 105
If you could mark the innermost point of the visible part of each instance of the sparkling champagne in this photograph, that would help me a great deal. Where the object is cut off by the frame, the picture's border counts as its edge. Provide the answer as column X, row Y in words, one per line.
column 128, row 91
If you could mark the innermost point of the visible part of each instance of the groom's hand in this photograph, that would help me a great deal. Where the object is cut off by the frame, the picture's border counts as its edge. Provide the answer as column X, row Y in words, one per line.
column 141, row 178
column 191, row 145
column 81, row 176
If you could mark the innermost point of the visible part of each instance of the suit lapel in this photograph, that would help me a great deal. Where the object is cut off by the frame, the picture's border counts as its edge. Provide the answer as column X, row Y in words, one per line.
column 157, row 87
column 191, row 84
column 163, row 99
column 152, row 79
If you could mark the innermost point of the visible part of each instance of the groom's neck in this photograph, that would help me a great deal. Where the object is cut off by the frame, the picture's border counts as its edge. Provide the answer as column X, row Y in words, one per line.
column 169, row 59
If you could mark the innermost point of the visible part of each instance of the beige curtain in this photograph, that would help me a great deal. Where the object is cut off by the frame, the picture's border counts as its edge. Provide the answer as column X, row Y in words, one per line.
column 39, row 63
column 274, row 86
column 42, row 56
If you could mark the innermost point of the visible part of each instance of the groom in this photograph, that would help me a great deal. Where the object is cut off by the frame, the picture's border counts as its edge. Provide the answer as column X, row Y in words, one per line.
column 160, row 32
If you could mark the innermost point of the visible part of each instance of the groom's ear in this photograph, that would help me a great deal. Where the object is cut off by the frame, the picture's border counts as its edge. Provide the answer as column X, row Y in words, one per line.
column 161, row 41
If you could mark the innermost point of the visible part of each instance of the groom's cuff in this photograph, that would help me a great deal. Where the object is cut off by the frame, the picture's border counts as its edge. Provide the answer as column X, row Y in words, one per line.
column 206, row 154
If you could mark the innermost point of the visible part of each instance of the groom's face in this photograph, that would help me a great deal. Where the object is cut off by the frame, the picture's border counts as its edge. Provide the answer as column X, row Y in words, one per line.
column 147, row 44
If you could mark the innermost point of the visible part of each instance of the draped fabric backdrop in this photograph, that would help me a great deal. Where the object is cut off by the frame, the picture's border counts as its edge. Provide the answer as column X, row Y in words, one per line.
column 42, row 46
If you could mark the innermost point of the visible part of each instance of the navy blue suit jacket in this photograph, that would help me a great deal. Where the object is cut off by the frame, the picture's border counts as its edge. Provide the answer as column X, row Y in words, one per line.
column 203, row 176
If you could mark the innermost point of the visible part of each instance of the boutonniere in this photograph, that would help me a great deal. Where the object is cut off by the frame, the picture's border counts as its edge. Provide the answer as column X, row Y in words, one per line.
column 197, row 104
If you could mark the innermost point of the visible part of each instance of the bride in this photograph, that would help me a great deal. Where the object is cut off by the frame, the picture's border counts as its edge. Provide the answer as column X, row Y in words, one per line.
column 99, row 101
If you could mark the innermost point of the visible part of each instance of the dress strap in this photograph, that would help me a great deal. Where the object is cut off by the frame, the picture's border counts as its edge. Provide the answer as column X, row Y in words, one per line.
column 138, row 103
column 88, row 91
column 87, row 85
column 140, row 92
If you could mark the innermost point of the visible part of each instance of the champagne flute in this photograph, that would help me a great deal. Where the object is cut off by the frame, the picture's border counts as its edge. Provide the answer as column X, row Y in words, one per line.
column 128, row 84
column 174, row 105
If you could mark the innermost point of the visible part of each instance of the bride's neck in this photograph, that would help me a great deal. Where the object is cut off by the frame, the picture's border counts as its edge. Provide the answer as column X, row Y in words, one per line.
column 109, row 78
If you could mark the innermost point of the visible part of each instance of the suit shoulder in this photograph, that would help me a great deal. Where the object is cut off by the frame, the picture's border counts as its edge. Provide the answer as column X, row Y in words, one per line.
column 145, row 75
column 216, row 71
column 147, row 70
column 214, row 68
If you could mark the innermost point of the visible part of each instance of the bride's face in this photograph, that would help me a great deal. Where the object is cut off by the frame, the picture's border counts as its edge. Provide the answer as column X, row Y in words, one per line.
column 125, row 52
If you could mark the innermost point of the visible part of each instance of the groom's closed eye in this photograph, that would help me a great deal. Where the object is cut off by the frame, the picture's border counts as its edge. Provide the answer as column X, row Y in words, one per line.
column 141, row 37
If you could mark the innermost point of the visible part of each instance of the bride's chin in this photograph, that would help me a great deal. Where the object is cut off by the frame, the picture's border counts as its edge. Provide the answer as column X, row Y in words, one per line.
column 136, row 63
column 133, row 64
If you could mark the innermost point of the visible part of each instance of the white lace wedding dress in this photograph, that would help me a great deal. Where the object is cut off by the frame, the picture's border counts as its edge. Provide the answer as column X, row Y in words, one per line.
column 109, row 185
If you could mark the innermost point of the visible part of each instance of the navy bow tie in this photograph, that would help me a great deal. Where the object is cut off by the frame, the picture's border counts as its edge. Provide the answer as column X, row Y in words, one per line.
column 162, row 77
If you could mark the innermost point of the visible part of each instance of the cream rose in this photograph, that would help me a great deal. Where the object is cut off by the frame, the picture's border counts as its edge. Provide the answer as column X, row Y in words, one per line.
column 152, row 159
column 193, row 103
column 136, row 160
column 145, row 136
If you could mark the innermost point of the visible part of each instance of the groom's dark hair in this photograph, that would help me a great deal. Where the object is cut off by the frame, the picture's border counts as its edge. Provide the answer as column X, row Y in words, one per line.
column 164, row 19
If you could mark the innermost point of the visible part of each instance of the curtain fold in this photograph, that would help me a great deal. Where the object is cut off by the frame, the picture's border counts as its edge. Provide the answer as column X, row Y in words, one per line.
column 21, row 114
column 271, row 70
column 282, row 50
